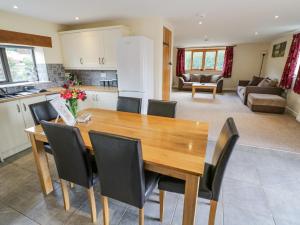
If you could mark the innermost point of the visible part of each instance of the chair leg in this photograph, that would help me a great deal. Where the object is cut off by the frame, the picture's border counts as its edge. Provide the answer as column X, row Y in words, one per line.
column 141, row 218
column 65, row 193
column 161, row 200
column 91, row 196
column 105, row 210
column 212, row 212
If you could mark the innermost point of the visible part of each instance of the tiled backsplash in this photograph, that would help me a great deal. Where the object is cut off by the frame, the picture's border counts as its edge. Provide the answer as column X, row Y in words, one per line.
column 93, row 77
column 56, row 74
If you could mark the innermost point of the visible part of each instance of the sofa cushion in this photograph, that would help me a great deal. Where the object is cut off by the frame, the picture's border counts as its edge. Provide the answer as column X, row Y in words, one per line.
column 186, row 77
column 195, row 78
column 205, row 78
column 215, row 78
column 266, row 100
column 255, row 81
column 267, row 82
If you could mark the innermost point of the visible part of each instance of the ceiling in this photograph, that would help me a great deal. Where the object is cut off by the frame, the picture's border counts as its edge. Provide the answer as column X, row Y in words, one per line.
column 223, row 21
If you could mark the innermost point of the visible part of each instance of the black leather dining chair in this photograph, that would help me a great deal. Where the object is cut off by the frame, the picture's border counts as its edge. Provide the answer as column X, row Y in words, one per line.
column 73, row 161
column 129, row 104
column 211, row 181
column 162, row 108
column 43, row 111
column 121, row 171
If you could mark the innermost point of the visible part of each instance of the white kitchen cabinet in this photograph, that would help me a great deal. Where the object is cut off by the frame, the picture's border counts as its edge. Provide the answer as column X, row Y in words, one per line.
column 103, row 100
column 110, row 38
column 15, row 117
column 24, row 103
column 92, row 49
column 71, row 50
column 89, row 102
column 107, row 100
column 13, row 136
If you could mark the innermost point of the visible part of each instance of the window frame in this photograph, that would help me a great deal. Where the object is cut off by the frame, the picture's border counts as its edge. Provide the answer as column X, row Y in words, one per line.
column 5, row 64
column 204, row 50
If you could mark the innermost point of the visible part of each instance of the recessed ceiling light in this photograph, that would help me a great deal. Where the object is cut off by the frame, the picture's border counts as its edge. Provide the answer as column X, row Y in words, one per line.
column 15, row 7
column 200, row 22
column 76, row 18
column 256, row 33
column 276, row 17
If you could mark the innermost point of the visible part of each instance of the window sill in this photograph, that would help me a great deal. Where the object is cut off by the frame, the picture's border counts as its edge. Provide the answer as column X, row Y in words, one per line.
column 7, row 85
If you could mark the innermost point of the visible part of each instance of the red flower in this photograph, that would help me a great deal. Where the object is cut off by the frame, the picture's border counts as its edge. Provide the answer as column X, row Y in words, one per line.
column 81, row 95
column 68, row 94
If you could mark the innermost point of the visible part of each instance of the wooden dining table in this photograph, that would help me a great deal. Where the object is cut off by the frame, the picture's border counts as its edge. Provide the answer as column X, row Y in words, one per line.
column 173, row 147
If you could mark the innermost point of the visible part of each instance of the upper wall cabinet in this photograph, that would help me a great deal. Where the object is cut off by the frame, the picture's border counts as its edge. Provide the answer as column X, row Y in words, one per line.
column 92, row 49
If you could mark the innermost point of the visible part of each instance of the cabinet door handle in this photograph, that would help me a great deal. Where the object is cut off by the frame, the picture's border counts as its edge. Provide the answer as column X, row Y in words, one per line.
column 18, row 107
column 81, row 60
column 103, row 61
column 24, row 106
column 99, row 60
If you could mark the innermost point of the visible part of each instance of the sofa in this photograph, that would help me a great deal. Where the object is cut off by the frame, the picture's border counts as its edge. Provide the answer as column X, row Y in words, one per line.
column 186, row 81
column 257, row 85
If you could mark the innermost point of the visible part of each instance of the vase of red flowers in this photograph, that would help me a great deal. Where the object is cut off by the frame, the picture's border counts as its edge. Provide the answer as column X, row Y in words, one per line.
column 72, row 95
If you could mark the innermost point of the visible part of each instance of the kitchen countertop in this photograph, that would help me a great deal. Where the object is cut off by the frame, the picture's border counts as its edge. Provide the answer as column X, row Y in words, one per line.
column 56, row 90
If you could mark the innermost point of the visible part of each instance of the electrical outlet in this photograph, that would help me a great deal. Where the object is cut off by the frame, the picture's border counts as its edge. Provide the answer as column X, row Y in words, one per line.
column 103, row 75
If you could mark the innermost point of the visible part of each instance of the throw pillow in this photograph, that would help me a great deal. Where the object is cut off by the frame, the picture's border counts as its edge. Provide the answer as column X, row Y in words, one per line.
column 267, row 82
column 186, row 77
column 205, row 78
column 215, row 78
column 255, row 81
column 195, row 78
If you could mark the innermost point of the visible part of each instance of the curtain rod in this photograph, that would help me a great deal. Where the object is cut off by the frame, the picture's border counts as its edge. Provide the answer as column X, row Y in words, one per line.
column 209, row 47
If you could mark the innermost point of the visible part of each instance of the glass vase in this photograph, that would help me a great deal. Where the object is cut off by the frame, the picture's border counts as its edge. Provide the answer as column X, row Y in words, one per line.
column 73, row 107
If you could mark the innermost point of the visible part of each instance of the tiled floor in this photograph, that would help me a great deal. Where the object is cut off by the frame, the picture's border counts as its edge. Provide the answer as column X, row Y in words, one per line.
column 261, row 187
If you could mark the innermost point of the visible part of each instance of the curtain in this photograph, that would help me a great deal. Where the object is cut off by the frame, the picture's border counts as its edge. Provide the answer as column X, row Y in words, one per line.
column 228, row 61
column 297, row 84
column 290, row 66
column 180, row 66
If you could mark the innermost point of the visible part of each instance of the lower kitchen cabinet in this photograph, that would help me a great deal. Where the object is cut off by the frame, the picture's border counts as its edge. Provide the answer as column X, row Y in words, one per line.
column 103, row 100
column 15, row 117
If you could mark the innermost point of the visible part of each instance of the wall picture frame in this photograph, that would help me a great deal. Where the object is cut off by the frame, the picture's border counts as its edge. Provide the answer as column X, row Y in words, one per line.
column 279, row 49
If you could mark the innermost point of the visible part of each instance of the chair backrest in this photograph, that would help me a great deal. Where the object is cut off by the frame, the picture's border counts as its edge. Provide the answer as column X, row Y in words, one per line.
column 120, row 167
column 42, row 111
column 70, row 154
column 224, row 146
column 129, row 104
column 162, row 108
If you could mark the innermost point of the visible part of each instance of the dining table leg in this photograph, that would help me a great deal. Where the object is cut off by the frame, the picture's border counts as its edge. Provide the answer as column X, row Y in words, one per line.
column 42, row 165
column 190, row 199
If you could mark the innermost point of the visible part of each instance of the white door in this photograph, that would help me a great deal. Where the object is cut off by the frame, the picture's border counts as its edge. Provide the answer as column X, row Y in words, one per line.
column 107, row 100
column 71, row 48
column 13, row 136
column 92, row 49
column 24, row 103
column 110, row 40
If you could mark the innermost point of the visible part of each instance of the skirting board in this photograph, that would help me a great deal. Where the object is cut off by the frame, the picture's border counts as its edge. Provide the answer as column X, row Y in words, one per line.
column 293, row 113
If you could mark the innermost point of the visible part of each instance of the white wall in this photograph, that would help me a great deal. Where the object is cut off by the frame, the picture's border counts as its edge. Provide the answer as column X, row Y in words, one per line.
column 246, row 63
column 274, row 68
column 18, row 23
column 151, row 27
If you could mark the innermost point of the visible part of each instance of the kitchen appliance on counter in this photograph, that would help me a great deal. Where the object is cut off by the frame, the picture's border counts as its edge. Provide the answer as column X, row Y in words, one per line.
column 135, row 68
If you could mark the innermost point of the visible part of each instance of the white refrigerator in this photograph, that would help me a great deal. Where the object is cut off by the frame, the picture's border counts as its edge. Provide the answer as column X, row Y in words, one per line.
column 135, row 68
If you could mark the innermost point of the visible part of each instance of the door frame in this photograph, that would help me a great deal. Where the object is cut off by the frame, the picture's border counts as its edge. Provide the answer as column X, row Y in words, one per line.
column 166, row 78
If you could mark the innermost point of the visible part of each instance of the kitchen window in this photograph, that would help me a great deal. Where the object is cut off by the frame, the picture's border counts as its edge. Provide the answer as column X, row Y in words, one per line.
column 17, row 64
column 204, row 59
